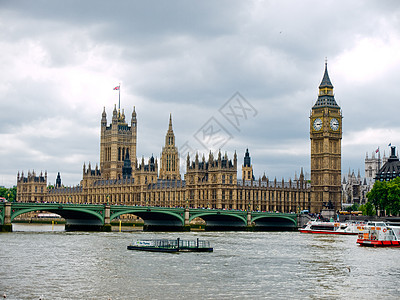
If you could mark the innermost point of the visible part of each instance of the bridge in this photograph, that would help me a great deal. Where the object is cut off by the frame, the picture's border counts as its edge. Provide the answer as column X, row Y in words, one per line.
column 98, row 217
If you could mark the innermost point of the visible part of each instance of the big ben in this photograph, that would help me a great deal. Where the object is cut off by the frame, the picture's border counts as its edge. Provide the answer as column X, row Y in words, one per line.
column 325, row 136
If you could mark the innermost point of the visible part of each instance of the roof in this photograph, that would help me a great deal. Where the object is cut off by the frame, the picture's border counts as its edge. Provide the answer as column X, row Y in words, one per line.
column 326, row 100
column 326, row 82
column 391, row 169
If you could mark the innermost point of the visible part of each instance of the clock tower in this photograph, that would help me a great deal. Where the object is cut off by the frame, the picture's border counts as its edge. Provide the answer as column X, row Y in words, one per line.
column 325, row 136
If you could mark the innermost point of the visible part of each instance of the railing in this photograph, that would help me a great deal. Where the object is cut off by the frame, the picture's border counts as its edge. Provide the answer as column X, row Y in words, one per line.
column 178, row 243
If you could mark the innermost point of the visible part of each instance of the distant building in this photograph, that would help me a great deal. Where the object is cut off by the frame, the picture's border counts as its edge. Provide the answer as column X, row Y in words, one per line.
column 355, row 187
column 373, row 164
column 391, row 169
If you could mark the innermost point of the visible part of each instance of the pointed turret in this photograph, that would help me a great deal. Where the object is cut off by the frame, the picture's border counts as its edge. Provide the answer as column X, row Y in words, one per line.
column 325, row 96
column 115, row 114
column 247, row 159
column 104, row 118
column 326, row 81
column 170, row 122
column 170, row 155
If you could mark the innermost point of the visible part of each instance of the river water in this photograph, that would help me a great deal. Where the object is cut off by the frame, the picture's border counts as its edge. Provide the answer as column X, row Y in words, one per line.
column 38, row 260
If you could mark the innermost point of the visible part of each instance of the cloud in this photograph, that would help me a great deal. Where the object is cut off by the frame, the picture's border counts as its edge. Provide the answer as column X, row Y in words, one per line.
column 60, row 61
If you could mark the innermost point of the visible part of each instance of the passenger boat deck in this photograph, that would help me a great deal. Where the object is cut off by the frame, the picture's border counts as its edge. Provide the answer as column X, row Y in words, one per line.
column 165, row 245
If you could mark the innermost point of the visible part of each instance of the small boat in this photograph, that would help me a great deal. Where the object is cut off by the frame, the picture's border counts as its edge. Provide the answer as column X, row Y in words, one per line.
column 379, row 234
column 164, row 245
column 332, row 228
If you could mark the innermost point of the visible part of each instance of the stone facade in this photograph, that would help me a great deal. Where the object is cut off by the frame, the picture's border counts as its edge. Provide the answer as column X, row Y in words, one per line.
column 116, row 141
column 207, row 183
column 325, row 136
column 170, row 156
column 354, row 187
column 32, row 188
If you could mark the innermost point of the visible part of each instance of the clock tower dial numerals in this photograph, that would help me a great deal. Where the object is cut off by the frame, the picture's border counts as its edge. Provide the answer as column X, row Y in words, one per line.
column 334, row 124
column 317, row 125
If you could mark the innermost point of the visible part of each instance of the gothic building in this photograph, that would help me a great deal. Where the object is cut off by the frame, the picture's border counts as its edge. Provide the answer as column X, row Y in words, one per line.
column 170, row 156
column 116, row 141
column 32, row 188
column 355, row 187
column 325, row 136
column 208, row 182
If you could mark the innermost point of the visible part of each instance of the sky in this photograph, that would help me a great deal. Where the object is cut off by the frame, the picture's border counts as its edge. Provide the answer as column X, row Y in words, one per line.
column 233, row 75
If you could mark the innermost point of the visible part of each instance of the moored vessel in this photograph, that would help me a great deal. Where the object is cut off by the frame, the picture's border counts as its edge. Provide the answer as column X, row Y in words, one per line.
column 316, row 226
column 165, row 245
column 379, row 234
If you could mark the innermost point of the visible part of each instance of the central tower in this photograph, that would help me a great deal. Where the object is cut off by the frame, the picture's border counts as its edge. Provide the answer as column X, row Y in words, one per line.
column 325, row 136
column 170, row 156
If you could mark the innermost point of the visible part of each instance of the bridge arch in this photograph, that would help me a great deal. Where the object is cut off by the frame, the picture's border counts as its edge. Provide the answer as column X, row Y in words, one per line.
column 65, row 212
column 274, row 222
column 221, row 220
column 148, row 212
column 155, row 219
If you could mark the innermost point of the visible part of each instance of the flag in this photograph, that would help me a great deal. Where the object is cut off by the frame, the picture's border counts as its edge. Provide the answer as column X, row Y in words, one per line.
column 390, row 144
column 116, row 88
column 377, row 150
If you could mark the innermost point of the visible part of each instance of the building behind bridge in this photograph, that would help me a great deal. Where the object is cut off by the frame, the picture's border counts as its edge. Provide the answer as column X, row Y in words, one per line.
column 210, row 182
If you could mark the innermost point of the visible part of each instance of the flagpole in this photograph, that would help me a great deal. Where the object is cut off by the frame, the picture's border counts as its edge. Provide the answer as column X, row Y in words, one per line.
column 119, row 96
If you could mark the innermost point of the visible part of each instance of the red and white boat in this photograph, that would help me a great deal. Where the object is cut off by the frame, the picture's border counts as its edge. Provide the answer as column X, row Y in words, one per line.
column 332, row 228
column 379, row 234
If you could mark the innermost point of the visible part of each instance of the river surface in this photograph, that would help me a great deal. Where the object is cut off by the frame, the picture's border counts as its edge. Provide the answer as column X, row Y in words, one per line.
column 38, row 260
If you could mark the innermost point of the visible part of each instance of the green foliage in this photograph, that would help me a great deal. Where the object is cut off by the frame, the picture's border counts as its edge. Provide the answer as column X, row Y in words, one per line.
column 9, row 194
column 367, row 209
column 354, row 207
column 385, row 195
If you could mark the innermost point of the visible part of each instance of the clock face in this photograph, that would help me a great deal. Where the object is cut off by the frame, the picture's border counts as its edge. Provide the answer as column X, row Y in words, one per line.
column 334, row 124
column 317, row 124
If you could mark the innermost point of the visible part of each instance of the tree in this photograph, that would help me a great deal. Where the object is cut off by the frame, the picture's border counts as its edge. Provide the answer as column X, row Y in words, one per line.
column 367, row 209
column 385, row 195
column 9, row 194
column 393, row 198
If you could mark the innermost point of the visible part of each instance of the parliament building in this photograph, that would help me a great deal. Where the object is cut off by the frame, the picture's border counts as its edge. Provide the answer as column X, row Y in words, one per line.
column 209, row 182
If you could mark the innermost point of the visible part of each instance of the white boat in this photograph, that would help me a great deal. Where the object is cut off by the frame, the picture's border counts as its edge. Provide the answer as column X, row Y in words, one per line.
column 315, row 226
column 379, row 234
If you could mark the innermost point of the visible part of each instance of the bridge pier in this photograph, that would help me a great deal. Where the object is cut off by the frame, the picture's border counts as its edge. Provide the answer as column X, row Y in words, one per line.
column 7, row 226
column 186, row 223
column 249, row 225
column 107, row 224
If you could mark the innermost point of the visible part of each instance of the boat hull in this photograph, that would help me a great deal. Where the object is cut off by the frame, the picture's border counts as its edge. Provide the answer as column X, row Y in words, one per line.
column 170, row 250
column 327, row 232
column 152, row 249
column 374, row 243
